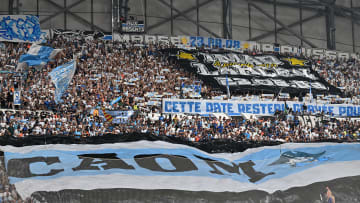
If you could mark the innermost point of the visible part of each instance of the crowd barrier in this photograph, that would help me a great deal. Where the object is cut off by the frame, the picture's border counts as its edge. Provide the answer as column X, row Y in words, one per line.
column 212, row 146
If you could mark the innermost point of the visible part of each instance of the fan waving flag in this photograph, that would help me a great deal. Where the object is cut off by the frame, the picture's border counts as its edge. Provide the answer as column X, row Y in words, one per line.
column 38, row 55
column 61, row 77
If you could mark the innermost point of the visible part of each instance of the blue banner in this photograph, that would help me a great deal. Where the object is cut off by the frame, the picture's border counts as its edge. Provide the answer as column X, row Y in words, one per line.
column 61, row 77
column 21, row 28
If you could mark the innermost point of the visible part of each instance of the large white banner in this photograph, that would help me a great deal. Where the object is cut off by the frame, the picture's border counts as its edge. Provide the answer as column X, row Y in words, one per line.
column 150, row 166
column 193, row 106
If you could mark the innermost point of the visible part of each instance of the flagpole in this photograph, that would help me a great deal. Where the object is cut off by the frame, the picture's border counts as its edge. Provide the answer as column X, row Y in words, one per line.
column 310, row 93
column 227, row 87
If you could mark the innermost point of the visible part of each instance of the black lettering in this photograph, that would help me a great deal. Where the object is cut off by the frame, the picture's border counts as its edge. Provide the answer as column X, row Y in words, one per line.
column 181, row 163
column 246, row 167
column 111, row 160
column 254, row 176
column 213, row 163
column 20, row 168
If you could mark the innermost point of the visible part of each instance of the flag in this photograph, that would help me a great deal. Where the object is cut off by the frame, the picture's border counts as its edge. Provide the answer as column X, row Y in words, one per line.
column 115, row 100
column 227, row 87
column 61, row 77
column 38, row 55
column 108, row 117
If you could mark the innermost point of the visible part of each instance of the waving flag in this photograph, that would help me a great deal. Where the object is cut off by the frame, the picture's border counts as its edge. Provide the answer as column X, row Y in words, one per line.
column 38, row 55
column 108, row 117
column 61, row 77
column 115, row 100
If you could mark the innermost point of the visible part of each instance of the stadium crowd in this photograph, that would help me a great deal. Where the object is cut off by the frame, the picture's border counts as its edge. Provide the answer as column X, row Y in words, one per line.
column 141, row 76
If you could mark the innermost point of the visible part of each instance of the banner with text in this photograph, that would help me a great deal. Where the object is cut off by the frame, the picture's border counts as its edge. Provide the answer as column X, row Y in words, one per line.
column 149, row 166
column 271, row 73
column 194, row 42
column 194, row 106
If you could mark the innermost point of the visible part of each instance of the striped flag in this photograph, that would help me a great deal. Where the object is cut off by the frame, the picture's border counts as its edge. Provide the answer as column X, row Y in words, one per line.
column 108, row 117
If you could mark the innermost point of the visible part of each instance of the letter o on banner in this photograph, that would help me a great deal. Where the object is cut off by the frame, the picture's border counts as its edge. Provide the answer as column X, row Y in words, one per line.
column 180, row 163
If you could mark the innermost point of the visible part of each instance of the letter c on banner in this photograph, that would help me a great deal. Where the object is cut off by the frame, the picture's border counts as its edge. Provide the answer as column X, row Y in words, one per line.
column 167, row 108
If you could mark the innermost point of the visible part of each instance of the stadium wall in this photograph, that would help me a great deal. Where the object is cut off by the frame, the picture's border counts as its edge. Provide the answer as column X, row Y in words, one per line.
column 96, row 15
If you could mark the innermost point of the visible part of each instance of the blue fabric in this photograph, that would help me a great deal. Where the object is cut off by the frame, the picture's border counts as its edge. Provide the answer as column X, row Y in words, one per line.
column 61, row 77
column 41, row 57
column 115, row 100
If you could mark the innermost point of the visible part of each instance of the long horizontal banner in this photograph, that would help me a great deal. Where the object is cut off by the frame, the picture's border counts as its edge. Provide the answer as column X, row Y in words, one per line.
column 21, row 28
column 192, row 42
column 242, row 72
column 145, row 165
column 193, row 106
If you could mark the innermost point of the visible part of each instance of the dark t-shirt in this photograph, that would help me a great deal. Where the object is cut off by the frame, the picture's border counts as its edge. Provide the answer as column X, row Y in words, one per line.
column 10, row 97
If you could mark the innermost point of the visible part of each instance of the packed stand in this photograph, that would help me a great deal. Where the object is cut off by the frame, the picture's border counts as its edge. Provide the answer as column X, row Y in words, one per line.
column 142, row 76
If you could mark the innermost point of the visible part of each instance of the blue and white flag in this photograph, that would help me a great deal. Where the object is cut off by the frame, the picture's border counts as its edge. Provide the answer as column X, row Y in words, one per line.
column 61, row 77
column 115, row 100
column 38, row 55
